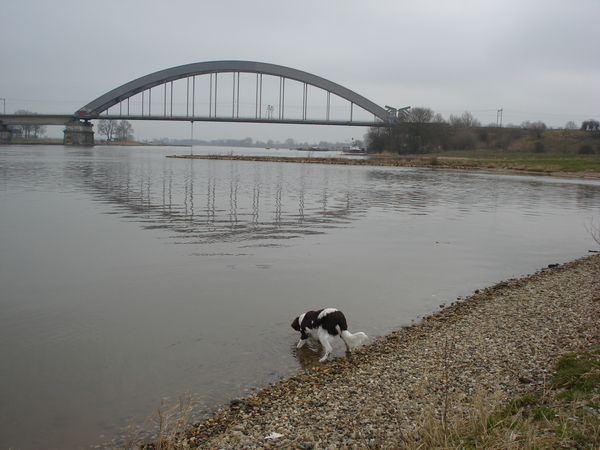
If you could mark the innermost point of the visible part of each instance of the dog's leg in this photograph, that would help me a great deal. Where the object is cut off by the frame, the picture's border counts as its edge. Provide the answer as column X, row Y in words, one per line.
column 324, row 338
column 348, row 349
column 343, row 338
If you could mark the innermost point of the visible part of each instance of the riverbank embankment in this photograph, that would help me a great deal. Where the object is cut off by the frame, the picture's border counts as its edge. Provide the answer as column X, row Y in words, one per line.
column 499, row 343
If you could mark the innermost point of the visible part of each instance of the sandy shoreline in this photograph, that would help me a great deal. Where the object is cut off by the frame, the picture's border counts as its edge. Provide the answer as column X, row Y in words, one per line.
column 499, row 342
column 410, row 161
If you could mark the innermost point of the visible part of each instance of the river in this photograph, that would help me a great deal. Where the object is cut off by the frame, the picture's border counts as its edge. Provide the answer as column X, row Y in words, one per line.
column 127, row 277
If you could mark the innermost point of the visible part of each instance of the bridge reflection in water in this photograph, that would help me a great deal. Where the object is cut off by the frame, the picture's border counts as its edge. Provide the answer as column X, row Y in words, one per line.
column 209, row 201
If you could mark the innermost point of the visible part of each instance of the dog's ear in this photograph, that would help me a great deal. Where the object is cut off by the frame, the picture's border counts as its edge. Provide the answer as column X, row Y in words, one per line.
column 296, row 324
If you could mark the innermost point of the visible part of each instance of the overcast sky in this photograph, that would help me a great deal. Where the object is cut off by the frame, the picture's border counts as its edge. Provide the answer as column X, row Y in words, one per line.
column 536, row 60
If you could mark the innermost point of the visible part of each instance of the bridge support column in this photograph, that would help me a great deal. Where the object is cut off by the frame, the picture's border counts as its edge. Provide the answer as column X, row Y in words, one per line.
column 78, row 133
column 5, row 134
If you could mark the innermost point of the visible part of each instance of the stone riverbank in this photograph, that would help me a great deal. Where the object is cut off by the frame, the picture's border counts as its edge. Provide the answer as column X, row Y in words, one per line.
column 497, row 343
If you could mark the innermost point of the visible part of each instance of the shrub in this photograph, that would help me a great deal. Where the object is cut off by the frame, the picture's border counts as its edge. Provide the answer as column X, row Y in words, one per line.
column 587, row 149
column 484, row 136
column 570, row 125
column 463, row 141
column 503, row 142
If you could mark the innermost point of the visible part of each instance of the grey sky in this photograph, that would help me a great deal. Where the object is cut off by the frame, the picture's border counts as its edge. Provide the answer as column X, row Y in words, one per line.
column 537, row 60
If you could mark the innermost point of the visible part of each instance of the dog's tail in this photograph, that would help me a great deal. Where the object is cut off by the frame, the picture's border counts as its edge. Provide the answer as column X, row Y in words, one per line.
column 353, row 340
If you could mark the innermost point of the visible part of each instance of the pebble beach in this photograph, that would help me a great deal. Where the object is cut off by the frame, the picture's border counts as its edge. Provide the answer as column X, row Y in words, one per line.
column 499, row 342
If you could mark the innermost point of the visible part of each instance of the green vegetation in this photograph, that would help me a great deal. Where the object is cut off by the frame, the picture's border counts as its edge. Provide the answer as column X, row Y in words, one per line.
column 537, row 162
column 578, row 377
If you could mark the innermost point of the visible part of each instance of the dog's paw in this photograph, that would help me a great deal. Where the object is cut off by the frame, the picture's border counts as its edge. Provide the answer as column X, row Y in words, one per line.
column 325, row 357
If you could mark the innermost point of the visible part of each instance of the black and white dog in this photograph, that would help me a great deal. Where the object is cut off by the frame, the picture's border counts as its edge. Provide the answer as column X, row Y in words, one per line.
column 324, row 324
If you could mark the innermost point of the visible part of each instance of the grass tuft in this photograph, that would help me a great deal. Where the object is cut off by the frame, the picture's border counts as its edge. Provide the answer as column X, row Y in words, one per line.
column 168, row 425
column 578, row 376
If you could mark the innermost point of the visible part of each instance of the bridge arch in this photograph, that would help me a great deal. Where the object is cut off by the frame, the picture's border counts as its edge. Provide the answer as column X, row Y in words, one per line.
column 127, row 90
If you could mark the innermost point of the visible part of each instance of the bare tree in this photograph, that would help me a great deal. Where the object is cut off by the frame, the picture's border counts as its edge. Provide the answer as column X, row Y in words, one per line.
column 107, row 128
column 28, row 131
column 570, row 125
column 385, row 139
column 417, row 131
column 465, row 120
column 124, row 131
column 423, row 115
column 590, row 125
column 423, row 126
column 538, row 127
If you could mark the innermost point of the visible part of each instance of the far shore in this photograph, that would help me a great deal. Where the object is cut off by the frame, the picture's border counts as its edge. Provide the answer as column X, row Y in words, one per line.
column 437, row 161
column 555, row 164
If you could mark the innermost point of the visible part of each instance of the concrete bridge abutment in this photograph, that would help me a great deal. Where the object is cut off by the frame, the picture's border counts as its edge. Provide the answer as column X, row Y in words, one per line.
column 5, row 134
column 79, row 133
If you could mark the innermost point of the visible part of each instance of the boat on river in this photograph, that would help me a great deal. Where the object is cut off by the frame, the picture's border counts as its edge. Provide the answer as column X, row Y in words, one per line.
column 353, row 150
column 313, row 149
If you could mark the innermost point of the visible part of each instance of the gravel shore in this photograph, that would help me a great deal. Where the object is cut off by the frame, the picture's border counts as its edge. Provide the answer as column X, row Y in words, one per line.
column 500, row 342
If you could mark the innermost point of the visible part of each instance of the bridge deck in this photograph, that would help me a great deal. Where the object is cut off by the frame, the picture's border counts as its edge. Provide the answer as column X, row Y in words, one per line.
column 35, row 119
column 61, row 119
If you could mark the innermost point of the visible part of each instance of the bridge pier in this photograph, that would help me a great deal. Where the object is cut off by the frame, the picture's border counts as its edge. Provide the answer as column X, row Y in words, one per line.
column 78, row 133
column 5, row 134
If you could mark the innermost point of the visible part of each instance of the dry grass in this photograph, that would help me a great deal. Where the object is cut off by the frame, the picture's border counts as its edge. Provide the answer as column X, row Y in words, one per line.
column 594, row 229
column 564, row 414
column 168, row 424
column 532, row 162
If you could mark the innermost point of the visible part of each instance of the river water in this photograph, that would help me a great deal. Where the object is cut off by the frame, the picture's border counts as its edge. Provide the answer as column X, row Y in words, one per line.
column 127, row 277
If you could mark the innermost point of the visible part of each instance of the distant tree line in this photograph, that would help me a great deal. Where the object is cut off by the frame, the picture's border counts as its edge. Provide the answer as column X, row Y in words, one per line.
column 249, row 142
column 421, row 130
column 538, row 127
column 112, row 129
column 28, row 131
column 590, row 125
column 418, row 130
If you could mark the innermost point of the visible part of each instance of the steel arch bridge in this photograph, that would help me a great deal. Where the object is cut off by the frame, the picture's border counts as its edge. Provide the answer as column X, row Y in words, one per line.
column 99, row 108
